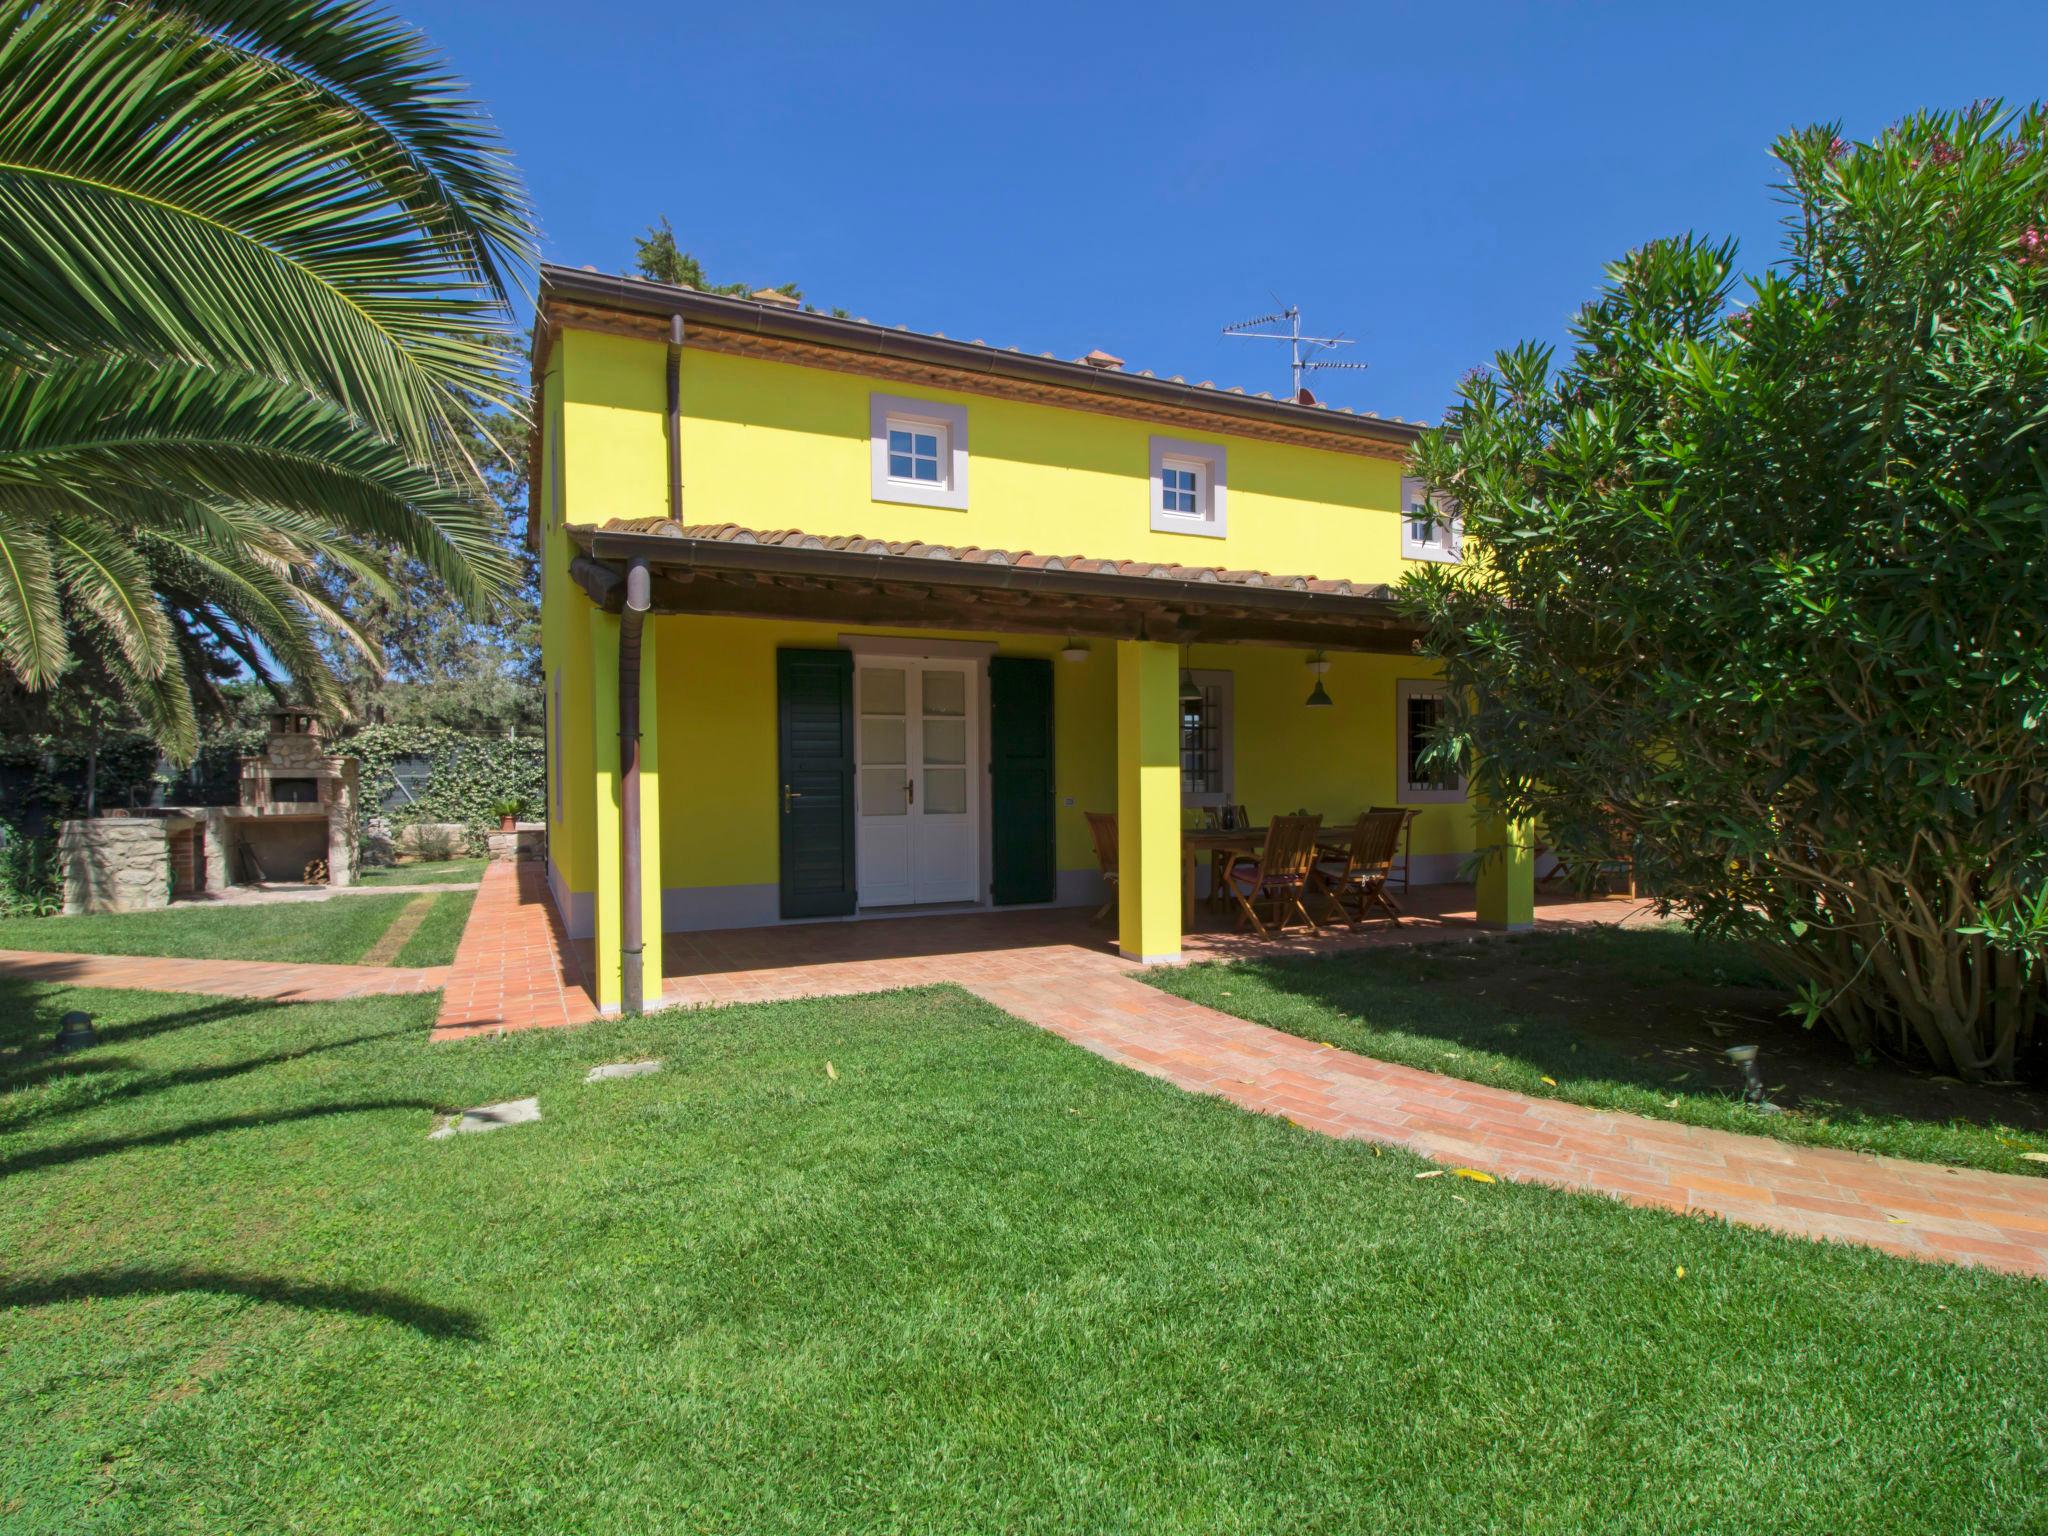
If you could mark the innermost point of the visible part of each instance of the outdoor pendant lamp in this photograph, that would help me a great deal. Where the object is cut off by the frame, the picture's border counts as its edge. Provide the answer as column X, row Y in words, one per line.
column 1190, row 690
column 1318, row 698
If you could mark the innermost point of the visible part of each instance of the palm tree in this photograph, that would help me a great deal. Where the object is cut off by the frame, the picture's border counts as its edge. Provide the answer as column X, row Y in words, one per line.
column 257, row 264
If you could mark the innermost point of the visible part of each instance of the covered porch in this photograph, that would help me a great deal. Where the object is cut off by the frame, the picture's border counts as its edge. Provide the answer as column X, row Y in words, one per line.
column 829, row 959
column 762, row 687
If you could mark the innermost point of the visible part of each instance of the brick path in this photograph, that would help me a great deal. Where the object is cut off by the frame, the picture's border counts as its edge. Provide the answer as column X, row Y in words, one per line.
column 1961, row 1215
column 278, row 982
column 1053, row 970
column 515, row 968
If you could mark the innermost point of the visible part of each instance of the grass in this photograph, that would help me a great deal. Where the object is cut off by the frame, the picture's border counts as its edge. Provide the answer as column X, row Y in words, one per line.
column 334, row 932
column 434, row 941
column 1627, row 1019
column 978, row 1280
column 443, row 872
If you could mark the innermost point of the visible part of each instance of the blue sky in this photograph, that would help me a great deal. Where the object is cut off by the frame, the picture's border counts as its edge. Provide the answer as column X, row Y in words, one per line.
column 1437, row 181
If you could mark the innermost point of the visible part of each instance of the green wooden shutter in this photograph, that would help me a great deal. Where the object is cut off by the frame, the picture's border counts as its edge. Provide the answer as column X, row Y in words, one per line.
column 814, row 795
column 1021, row 779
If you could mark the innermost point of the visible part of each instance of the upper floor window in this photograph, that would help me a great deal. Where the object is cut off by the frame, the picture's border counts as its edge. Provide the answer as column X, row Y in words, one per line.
column 915, row 454
column 917, row 451
column 1188, row 487
column 1430, row 526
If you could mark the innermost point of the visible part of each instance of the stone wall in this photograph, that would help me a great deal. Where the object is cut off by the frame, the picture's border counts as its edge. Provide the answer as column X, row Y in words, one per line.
column 115, row 864
column 526, row 846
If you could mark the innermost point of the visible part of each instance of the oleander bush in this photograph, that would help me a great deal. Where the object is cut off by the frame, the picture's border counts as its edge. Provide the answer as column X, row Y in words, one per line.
column 1763, row 592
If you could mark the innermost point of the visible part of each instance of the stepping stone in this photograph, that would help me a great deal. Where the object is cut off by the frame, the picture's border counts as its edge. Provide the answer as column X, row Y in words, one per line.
column 489, row 1117
column 621, row 1069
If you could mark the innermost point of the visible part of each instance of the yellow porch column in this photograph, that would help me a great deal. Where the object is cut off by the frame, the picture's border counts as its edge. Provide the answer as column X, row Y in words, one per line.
column 1507, row 871
column 604, row 652
column 1148, row 799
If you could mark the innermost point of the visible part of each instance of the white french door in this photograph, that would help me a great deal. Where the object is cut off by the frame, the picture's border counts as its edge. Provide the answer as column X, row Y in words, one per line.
column 919, row 785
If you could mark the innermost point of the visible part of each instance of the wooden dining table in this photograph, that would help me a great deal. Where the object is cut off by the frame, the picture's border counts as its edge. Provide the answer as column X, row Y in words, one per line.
column 1199, row 842
column 1196, row 842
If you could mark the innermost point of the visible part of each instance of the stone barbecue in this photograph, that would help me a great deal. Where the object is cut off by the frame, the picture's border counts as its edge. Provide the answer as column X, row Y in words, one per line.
column 296, row 822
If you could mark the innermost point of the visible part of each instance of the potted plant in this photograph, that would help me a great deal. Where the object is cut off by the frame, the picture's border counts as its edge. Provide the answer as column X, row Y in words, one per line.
column 508, row 812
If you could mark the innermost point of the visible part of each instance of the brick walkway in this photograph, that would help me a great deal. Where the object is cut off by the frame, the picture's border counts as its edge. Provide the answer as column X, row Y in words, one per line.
column 278, row 982
column 1961, row 1215
column 515, row 968
column 1055, row 970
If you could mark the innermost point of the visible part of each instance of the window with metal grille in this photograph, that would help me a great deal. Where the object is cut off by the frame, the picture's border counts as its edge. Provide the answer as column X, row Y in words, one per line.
column 1205, row 741
column 1420, row 714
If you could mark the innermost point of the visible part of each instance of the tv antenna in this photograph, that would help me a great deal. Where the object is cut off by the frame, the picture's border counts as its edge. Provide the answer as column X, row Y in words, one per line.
column 1302, row 350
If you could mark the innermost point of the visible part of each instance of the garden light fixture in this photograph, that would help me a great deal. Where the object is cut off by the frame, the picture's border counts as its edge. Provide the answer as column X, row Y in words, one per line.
column 1744, row 1056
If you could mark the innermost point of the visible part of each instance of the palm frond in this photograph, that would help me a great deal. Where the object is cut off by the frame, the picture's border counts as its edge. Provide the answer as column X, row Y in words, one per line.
column 32, row 638
column 272, row 607
column 104, row 572
column 161, row 699
column 135, row 431
column 188, row 185
column 418, row 133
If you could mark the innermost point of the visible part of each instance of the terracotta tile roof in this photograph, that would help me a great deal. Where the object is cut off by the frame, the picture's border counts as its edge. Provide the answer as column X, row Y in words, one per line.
column 859, row 544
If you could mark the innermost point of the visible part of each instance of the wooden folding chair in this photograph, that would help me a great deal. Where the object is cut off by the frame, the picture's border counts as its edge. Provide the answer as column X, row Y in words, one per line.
column 1281, row 876
column 1354, row 874
column 1102, row 832
column 1408, row 813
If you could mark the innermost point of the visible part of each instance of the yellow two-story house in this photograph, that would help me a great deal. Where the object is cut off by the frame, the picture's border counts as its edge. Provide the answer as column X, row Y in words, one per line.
column 845, row 621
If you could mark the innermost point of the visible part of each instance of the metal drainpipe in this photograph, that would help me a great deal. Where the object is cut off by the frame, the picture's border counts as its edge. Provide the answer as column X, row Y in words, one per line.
column 631, row 994
column 675, row 418
column 632, row 940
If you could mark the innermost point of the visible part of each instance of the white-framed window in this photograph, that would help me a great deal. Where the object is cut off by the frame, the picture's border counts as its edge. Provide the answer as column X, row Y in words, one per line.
column 1208, row 761
column 917, row 451
column 1188, row 487
column 1418, row 711
column 1430, row 526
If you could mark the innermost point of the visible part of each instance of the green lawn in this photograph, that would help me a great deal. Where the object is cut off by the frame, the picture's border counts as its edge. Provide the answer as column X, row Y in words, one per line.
column 977, row 1281
column 434, row 941
column 445, row 872
column 334, row 932
column 1630, row 1019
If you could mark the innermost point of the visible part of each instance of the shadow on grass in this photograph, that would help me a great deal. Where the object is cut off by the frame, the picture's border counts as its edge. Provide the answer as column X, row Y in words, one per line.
column 1626, row 1019
column 107, row 1284
column 26, row 1020
column 60, row 1066
column 1486, row 1006
column 85, row 1151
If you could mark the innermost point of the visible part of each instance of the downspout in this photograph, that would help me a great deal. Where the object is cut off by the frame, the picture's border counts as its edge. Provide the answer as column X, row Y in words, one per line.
column 631, row 995
column 675, row 418
column 632, row 621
